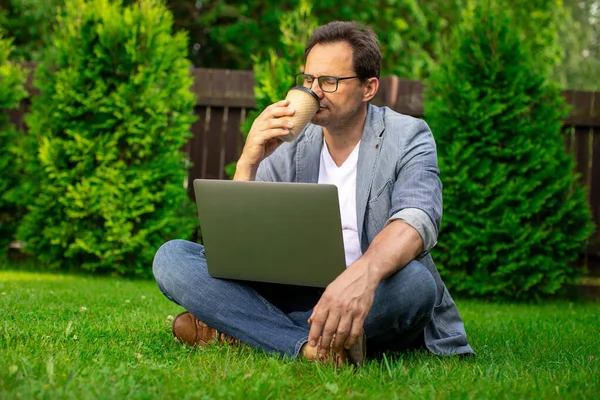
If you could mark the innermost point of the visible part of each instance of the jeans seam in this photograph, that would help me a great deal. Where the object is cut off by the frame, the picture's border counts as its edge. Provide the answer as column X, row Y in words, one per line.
column 165, row 293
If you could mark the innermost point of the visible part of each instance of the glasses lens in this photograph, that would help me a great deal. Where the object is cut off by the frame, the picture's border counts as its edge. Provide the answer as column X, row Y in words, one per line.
column 304, row 80
column 328, row 83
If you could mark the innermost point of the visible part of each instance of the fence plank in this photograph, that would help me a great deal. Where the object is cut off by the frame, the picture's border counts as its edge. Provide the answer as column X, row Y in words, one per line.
column 585, row 108
column 594, row 247
column 388, row 92
column 234, row 136
column 220, row 88
column 196, row 148
column 240, row 142
column 205, row 136
column 223, row 142
column 569, row 136
column 581, row 153
column 213, row 144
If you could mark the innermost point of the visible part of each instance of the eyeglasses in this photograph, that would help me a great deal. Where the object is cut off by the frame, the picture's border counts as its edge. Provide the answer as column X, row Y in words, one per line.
column 327, row 84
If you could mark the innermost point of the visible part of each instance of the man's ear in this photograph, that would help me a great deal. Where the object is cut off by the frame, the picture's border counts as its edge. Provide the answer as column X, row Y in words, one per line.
column 370, row 88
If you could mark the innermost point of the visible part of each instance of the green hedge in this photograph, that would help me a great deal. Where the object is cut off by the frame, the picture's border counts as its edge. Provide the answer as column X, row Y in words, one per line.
column 515, row 219
column 114, row 113
column 12, row 90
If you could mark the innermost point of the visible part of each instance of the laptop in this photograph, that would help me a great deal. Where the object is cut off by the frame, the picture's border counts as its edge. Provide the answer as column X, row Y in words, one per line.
column 288, row 233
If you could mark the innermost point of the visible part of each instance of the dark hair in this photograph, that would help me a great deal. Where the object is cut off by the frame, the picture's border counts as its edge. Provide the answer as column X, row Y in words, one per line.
column 366, row 55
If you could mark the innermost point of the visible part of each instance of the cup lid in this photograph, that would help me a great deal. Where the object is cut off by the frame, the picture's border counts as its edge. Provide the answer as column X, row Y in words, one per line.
column 307, row 90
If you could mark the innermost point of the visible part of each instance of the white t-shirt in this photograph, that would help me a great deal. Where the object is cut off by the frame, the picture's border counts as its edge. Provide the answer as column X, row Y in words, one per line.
column 344, row 177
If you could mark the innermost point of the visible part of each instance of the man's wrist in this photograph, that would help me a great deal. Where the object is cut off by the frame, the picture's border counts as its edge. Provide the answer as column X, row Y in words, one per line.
column 244, row 171
column 372, row 269
column 376, row 270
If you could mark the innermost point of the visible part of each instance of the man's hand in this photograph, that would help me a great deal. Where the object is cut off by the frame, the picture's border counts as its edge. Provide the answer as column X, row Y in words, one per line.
column 343, row 308
column 264, row 138
column 344, row 305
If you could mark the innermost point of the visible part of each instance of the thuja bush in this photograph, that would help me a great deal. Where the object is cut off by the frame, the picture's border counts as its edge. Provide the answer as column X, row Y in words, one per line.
column 12, row 91
column 515, row 218
column 114, row 112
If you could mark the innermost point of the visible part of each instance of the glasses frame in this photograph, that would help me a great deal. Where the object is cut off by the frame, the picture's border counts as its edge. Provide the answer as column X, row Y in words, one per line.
column 322, row 78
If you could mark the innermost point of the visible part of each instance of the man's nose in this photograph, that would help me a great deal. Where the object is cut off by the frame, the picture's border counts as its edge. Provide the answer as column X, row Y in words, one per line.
column 315, row 87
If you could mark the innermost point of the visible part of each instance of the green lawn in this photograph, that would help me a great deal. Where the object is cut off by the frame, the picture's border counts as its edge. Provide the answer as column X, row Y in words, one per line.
column 81, row 337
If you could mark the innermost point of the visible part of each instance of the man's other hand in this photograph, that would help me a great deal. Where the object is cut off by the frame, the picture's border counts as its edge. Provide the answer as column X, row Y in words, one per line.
column 343, row 308
column 264, row 138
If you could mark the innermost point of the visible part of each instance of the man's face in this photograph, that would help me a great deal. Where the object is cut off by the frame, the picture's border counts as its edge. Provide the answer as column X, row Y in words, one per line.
column 334, row 59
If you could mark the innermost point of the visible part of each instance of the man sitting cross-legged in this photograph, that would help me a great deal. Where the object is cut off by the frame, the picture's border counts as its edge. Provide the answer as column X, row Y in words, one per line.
column 384, row 164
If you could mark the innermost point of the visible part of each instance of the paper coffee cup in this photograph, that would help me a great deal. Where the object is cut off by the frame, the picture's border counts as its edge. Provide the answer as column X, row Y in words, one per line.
column 306, row 104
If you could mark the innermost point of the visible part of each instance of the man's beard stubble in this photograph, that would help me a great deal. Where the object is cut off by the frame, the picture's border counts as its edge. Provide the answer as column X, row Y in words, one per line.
column 337, row 123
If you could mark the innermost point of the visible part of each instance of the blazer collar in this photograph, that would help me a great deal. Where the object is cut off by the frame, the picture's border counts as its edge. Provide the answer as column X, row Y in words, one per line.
column 368, row 154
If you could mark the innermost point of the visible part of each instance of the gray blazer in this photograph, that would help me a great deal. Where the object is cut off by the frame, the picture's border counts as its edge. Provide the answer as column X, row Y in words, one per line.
column 397, row 170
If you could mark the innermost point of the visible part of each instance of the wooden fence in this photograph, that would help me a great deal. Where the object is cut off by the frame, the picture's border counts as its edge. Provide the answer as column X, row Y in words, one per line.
column 224, row 98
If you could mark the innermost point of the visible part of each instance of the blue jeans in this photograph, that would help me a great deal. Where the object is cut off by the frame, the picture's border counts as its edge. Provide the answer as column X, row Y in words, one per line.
column 273, row 317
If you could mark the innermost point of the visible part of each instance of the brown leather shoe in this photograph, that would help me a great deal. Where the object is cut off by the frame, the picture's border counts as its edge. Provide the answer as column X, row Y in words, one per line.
column 190, row 330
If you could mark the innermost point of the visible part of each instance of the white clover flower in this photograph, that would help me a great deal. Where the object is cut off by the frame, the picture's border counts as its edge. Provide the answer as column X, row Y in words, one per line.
column 83, row 309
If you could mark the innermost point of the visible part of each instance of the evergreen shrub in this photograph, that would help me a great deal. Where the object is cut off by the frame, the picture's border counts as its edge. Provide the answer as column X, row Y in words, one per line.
column 114, row 113
column 12, row 91
column 515, row 218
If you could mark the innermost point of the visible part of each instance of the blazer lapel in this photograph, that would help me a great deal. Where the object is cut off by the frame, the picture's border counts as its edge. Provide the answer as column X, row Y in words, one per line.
column 308, row 155
column 368, row 154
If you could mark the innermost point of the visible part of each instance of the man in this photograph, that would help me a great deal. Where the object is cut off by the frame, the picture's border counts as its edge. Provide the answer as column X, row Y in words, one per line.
column 384, row 164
